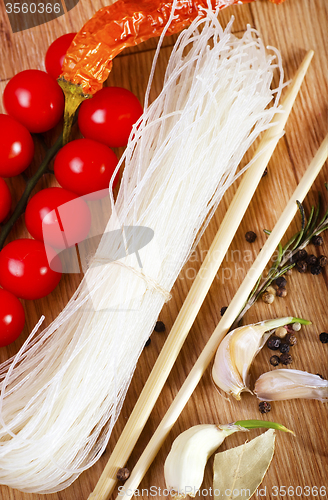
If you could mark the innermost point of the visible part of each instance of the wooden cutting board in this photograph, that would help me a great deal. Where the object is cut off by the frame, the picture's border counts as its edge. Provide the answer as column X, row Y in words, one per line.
column 300, row 463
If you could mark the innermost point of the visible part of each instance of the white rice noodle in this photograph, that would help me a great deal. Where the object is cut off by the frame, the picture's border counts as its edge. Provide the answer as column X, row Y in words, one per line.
column 63, row 391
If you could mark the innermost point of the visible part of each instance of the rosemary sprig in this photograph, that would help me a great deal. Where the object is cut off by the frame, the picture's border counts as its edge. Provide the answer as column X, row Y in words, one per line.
column 285, row 254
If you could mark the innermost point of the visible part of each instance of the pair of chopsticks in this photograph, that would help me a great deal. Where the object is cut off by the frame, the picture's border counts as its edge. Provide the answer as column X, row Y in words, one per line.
column 195, row 298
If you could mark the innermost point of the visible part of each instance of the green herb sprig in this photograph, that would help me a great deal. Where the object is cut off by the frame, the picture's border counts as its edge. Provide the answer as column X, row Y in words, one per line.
column 310, row 226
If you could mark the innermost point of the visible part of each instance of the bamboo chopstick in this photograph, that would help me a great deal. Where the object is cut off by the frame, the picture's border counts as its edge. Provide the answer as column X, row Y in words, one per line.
column 197, row 293
column 222, row 328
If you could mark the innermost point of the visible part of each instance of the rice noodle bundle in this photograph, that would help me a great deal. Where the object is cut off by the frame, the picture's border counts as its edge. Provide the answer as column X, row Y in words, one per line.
column 62, row 393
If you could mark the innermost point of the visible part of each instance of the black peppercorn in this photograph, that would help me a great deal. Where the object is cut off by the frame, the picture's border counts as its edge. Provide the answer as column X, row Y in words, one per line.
column 315, row 270
column 274, row 360
column 223, row 310
column 148, row 342
column 290, row 339
column 159, row 327
column 123, row 474
column 281, row 282
column 265, row 172
column 300, row 255
column 264, row 407
column 301, row 266
column 311, row 260
column 281, row 292
column 323, row 337
column 284, row 348
column 274, row 343
column 250, row 236
column 286, row 359
column 322, row 260
column 317, row 240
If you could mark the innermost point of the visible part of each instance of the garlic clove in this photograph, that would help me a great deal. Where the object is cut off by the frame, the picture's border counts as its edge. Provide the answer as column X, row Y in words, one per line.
column 224, row 373
column 185, row 464
column 282, row 384
column 237, row 351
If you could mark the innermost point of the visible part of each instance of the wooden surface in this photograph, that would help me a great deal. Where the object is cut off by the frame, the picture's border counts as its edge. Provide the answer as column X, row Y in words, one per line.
column 293, row 27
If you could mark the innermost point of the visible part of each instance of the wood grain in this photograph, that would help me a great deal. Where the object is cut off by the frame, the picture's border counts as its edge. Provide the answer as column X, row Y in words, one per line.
column 293, row 27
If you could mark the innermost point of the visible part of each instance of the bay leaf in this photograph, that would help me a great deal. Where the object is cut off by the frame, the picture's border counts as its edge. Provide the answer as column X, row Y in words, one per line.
column 239, row 472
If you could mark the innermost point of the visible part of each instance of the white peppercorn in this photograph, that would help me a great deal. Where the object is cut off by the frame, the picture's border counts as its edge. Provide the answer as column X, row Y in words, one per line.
column 267, row 297
column 281, row 332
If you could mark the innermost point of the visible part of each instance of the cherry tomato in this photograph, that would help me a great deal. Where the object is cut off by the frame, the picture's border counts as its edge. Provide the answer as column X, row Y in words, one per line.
column 56, row 54
column 25, row 269
column 5, row 200
column 85, row 166
column 34, row 99
column 16, row 147
column 68, row 223
column 108, row 117
column 12, row 318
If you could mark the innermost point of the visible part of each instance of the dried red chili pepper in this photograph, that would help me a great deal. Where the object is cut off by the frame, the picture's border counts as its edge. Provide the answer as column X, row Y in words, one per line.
column 125, row 23
column 120, row 25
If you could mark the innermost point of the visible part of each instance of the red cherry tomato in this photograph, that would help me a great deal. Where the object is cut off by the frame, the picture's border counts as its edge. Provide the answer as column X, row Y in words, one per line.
column 108, row 117
column 56, row 54
column 5, row 200
column 34, row 99
column 12, row 318
column 16, row 147
column 25, row 270
column 68, row 223
column 85, row 166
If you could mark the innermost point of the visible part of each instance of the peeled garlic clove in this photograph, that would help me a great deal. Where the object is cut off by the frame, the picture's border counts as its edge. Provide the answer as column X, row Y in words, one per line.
column 278, row 385
column 185, row 464
column 237, row 351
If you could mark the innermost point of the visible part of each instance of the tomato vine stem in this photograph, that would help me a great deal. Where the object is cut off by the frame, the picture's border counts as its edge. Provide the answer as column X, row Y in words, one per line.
column 30, row 185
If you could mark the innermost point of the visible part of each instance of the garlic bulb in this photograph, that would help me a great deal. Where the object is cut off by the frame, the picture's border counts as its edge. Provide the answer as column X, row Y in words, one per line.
column 237, row 351
column 278, row 385
column 185, row 464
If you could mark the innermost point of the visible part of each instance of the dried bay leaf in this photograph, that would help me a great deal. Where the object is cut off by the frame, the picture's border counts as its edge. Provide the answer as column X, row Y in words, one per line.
column 239, row 472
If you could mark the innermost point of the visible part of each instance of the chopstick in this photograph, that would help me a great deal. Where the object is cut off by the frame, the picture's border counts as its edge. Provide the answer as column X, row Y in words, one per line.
column 227, row 320
column 196, row 296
